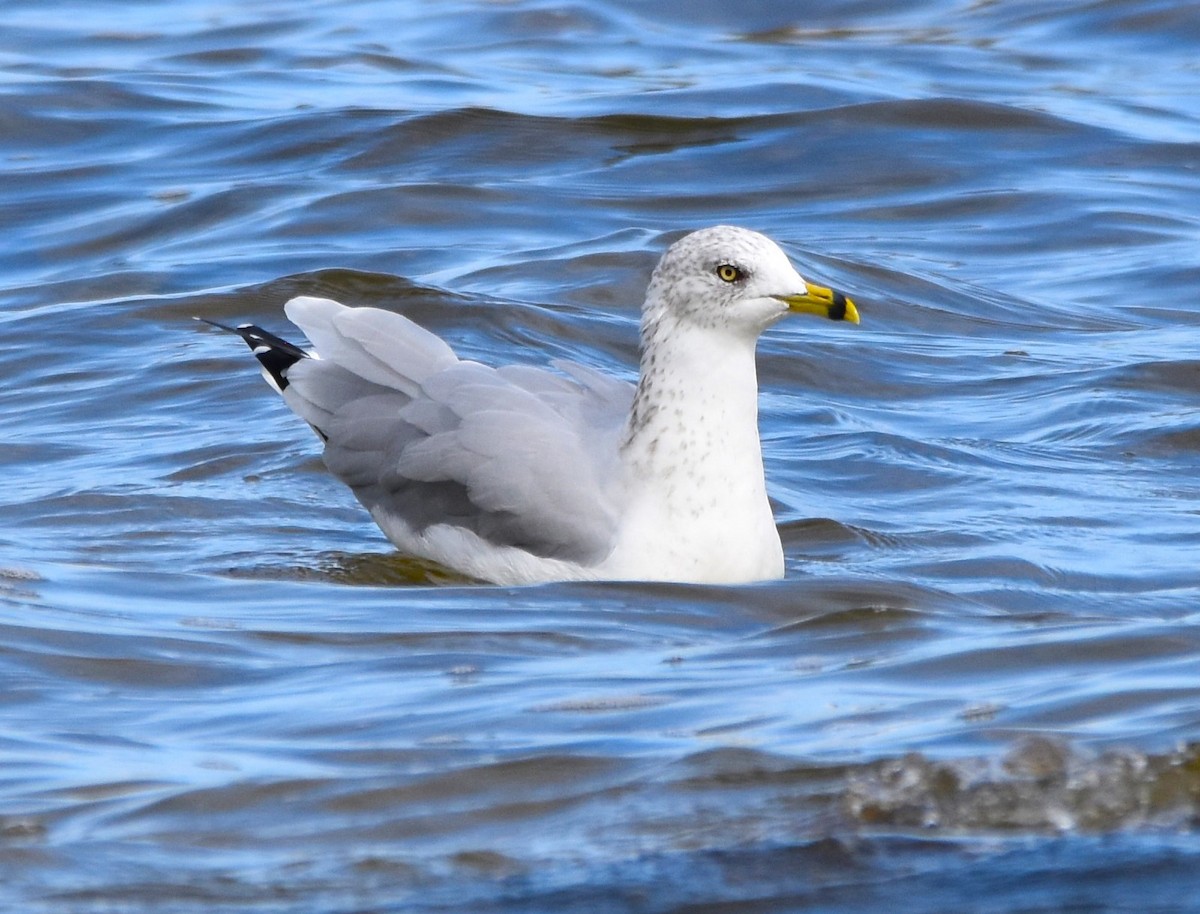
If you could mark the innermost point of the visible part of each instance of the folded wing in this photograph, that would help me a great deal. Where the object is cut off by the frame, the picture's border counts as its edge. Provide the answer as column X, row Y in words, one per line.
column 520, row 456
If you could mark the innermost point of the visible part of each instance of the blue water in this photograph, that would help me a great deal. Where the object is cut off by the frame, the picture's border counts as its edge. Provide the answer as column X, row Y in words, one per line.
column 978, row 687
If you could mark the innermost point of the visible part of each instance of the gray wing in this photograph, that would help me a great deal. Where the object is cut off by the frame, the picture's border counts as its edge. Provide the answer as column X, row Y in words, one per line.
column 518, row 455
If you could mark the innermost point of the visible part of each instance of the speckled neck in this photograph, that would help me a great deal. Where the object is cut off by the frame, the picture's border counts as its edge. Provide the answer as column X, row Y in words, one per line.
column 695, row 412
column 698, row 507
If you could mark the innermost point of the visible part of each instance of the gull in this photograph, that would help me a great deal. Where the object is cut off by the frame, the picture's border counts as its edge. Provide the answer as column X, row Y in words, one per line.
column 521, row 475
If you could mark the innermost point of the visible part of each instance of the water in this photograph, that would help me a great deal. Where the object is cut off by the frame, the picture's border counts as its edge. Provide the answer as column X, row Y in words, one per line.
column 979, row 686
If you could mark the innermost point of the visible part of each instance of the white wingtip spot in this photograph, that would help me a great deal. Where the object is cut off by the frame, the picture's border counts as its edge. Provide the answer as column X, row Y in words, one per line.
column 271, row 381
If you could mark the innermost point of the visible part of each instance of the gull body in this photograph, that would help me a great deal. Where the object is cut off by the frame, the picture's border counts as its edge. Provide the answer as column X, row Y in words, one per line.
column 519, row 475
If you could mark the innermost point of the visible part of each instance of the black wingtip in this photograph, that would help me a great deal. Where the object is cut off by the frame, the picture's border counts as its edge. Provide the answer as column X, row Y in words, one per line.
column 275, row 354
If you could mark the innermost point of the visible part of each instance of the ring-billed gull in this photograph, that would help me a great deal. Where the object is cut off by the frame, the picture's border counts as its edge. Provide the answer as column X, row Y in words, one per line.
column 518, row 475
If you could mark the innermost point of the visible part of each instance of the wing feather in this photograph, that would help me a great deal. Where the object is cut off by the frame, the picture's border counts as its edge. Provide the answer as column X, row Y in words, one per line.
column 379, row 346
column 521, row 456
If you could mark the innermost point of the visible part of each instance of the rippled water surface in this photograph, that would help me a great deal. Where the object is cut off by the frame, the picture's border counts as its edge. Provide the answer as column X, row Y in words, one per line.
column 978, row 687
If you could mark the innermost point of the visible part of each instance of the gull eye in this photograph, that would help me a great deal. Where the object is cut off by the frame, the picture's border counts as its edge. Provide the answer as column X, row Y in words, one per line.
column 727, row 272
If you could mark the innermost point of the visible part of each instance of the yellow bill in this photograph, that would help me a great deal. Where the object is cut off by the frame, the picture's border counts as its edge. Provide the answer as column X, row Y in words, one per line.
column 822, row 302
